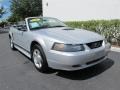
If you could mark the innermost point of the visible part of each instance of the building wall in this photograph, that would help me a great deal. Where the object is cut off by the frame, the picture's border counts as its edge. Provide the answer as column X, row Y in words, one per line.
column 70, row 10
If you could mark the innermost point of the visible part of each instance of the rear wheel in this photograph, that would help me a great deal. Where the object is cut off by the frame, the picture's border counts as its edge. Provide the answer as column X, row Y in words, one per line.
column 11, row 43
column 39, row 58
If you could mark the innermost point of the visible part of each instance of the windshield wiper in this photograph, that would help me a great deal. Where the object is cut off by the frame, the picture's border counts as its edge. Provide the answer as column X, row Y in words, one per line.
column 38, row 28
column 57, row 26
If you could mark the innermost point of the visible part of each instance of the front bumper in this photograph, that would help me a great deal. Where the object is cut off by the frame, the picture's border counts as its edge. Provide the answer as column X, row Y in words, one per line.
column 77, row 60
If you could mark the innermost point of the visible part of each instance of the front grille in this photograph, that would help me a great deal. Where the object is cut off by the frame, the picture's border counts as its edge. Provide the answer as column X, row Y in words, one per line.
column 96, row 44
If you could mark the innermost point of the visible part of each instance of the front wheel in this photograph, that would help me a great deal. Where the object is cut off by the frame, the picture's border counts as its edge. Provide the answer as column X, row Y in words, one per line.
column 39, row 58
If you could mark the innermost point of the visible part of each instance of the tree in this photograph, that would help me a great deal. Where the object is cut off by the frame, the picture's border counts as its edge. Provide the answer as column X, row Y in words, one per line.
column 3, row 23
column 13, row 19
column 2, row 11
column 26, row 8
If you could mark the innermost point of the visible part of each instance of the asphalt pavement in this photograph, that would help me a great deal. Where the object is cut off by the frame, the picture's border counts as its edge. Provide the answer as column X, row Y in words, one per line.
column 18, row 73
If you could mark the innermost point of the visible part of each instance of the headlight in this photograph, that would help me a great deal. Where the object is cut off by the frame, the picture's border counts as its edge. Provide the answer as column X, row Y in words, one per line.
column 68, row 47
column 105, row 40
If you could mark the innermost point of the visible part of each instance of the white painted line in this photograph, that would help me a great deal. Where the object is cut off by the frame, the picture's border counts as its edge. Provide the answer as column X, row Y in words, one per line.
column 115, row 49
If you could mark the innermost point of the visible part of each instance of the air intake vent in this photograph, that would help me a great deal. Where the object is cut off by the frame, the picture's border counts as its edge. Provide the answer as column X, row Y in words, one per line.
column 68, row 29
column 94, row 45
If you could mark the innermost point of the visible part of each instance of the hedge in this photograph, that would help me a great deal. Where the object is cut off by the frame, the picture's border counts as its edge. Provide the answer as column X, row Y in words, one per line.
column 109, row 28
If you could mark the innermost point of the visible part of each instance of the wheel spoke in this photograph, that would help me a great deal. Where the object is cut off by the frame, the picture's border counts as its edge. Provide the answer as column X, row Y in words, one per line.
column 37, row 58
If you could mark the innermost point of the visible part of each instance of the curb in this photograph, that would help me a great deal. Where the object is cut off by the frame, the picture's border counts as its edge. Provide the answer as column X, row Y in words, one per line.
column 115, row 49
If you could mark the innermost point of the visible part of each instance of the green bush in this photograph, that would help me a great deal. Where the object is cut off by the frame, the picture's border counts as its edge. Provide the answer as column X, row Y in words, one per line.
column 109, row 28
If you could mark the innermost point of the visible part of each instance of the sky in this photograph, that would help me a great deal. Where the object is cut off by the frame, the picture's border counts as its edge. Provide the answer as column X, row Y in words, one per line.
column 79, row 10
column 82, row 10
column 6, row 4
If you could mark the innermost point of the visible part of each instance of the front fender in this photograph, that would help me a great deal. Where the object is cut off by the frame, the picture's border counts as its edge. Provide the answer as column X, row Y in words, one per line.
column 42, row 43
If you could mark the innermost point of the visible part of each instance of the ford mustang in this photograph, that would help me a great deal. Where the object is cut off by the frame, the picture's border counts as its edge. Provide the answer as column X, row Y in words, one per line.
column 50, row 43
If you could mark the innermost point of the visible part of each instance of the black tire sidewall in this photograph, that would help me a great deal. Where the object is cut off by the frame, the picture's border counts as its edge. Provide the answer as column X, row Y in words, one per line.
column 44, row 62
column 13, row 48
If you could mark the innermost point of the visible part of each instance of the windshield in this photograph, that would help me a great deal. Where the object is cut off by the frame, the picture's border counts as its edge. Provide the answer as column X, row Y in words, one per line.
column 38, row 23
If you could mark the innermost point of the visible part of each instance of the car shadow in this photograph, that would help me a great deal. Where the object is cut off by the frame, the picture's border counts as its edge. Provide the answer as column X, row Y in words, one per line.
column 87, row 73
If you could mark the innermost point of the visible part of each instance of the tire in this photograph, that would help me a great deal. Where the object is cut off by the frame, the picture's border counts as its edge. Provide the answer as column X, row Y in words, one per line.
column 39, row 59
column 11, row 43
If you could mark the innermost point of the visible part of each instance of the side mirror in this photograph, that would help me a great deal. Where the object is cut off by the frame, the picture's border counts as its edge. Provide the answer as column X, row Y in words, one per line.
column 19, row 28
column 22, row 28
column 14, row 26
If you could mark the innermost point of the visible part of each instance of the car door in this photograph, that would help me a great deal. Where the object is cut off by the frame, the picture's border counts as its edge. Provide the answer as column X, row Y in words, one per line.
column 17, row 35
column 23, row 38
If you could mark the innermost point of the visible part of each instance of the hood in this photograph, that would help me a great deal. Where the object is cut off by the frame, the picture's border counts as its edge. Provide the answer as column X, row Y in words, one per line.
column 69, row 35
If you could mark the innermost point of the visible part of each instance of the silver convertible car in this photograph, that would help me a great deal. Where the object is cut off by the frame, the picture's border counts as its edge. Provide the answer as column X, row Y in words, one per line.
column 49, row 43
